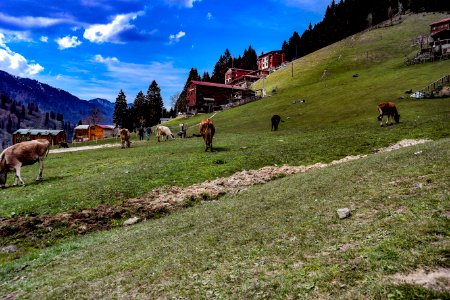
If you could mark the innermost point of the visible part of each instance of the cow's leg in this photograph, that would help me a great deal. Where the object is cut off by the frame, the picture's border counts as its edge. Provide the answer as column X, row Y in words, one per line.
column 18, row 177
column 41, row 168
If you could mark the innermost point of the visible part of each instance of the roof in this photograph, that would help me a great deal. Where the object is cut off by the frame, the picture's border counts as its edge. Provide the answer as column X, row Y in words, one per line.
column 441, row 21
column 271, row 52
column 82, row 127
column 219, row 85
column 37, row 131
column 106, row 126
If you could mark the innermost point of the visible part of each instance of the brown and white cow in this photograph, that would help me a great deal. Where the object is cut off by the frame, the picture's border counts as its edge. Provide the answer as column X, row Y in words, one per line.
column 389, row 110
column 163, row 131
column 22, row 154
column 207, row 130
column 125, row 137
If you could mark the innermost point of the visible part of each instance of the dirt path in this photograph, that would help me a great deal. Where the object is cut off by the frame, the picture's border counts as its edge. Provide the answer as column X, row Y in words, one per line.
column 161, row 200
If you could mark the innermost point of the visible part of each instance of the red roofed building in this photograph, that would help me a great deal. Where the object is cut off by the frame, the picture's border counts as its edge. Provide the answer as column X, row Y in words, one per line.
column 207, row 96
column 440, row 29
column 440, row 33
column 271, row 60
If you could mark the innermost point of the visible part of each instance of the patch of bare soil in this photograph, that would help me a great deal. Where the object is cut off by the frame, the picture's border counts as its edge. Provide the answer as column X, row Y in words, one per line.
column 156, row 202
column 438, row 280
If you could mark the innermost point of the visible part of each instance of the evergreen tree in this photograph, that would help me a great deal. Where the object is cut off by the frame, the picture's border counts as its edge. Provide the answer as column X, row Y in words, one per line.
column 206, row 77
column 249, row 59
column 181, row 105
column 120, row 115
column 155, row 103
column 46, row 120
column 221, row 67
column 140, row 110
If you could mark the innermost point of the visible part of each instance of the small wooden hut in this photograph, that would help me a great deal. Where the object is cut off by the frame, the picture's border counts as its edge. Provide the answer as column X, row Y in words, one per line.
column 54, row 136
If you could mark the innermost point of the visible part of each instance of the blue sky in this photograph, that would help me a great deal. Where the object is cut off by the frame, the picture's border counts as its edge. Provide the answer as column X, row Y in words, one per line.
column 95, row 48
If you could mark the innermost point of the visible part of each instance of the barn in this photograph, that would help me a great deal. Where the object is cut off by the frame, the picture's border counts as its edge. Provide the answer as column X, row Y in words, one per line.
column 54, row 136
column 207, row 96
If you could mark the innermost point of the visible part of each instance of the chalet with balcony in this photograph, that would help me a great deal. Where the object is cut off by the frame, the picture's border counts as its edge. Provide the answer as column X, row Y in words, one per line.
column 271, row 60
column 243, row 78
column 204, row 97
column 440, row 34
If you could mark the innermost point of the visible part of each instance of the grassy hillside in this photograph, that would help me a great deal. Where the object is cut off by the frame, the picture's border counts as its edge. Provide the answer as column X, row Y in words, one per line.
column 282, row 239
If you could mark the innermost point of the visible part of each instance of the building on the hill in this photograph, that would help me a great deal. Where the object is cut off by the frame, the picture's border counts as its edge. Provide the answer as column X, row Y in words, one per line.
column 84, row 133
column 54, row 136
column 271, row 61
column 440, row 33
column 207, row 96
column 243, row 78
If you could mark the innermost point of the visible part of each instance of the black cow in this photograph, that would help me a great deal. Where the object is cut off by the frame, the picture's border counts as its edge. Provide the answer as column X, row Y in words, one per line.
column 276, row 119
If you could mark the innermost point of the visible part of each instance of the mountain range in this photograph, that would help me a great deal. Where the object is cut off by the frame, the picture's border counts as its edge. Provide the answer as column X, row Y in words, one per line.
column 49, row 98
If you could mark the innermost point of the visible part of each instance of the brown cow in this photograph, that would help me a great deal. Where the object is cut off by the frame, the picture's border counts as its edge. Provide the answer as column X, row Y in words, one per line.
column 125, row 137
column 389, row 110
column 207, row 130
column 22, row 154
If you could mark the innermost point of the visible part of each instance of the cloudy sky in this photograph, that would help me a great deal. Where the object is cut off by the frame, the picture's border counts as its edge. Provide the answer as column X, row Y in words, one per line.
column 95, row 48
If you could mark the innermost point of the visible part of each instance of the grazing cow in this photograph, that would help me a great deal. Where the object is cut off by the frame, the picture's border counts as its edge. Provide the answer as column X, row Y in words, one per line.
column 63, row 145
column 22, row 154
column 125, row 137
column 207, row 130
column 163, row 131
column 276, row 119
column 389, row 110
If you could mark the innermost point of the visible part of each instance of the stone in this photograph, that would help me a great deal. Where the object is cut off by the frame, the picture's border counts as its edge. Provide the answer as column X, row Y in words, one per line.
column 131, row 221
column 343, row 213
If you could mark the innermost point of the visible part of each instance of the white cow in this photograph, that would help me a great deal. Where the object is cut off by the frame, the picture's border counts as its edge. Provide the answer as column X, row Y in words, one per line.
column 163, row 131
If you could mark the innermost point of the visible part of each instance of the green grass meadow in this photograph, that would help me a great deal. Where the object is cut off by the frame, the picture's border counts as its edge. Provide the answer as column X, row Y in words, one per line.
column 281, row 240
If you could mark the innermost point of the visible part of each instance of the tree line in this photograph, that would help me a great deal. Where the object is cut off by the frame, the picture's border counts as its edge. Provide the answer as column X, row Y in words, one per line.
column 146, row 110
column 348, row 17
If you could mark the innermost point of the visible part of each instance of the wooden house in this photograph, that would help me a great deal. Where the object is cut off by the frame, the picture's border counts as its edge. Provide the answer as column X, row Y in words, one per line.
column 208, row 96
column 93, row 132
column 243, row 78
column 271, row 61
column 54, row 136
column 440, row 34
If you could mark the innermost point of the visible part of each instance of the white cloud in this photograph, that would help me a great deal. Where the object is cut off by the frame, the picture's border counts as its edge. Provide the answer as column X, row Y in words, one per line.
column 15, row 63
column 44, row 39
column 33, row 22
column 101, row 33
column 175, row 38
column 185, row 3
column 209, row 16
column 68, row 42
column 105, row 60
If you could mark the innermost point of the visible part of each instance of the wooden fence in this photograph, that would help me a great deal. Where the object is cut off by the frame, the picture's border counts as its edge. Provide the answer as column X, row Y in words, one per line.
column 428, row 90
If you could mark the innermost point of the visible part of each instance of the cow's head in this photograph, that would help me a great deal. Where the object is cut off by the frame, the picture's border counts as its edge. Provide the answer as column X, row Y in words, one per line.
column 397, row 118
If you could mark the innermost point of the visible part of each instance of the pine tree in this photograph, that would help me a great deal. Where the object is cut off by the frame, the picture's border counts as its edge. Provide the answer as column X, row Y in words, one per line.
column 140, row 109
column 221, row 67
column 120, row 110
column 155, row 102
column 181, row 105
